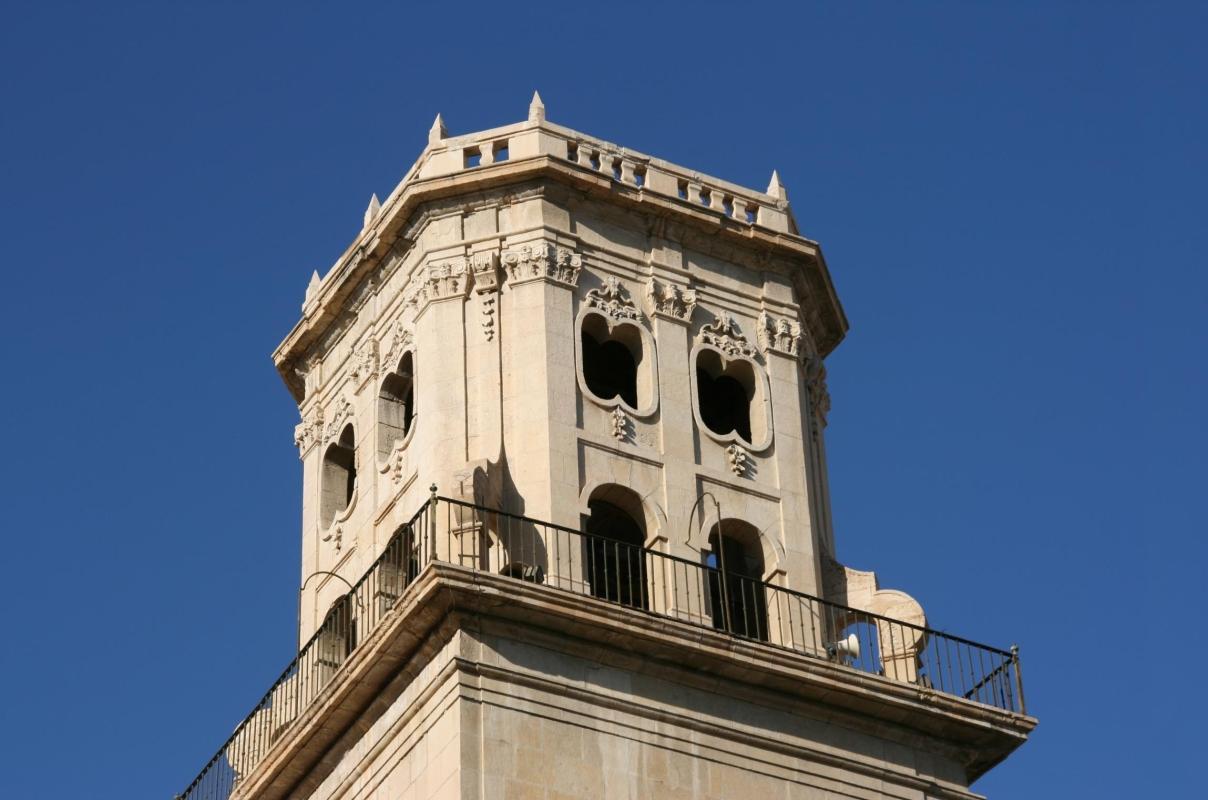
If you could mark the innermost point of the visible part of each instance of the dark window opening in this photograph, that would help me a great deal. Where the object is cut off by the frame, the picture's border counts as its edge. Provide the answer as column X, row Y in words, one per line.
column 339, row 476
column 472, row 157
column 736, row 593
column 500, row 152
column 396, row 406
column 725, row 396
column 609, row 366
column 616, row 566
column 639, row 176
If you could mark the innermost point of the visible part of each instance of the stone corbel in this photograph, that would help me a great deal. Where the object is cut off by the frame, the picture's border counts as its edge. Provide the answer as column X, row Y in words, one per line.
column 670, row 302
column 542, row 261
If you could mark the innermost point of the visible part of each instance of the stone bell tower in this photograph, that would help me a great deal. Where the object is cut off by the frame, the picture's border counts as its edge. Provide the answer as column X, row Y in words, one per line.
column 566, row 525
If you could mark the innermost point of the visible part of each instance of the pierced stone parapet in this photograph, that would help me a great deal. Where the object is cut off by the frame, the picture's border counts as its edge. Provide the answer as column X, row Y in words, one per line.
column 542, row 261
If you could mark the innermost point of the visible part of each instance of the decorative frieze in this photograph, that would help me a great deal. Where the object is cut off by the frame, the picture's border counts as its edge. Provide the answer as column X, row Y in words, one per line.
column 723, row 334
column 542, row 261
column 612, row 300
column 670, row 301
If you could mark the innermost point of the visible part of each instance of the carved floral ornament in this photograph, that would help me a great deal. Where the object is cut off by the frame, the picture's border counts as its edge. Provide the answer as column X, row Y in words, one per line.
column 343, row 413
column 612, row 300
column 542, row 261
column 724, row 335
column 401, row 340
column 364, row 363
column 670, row 301
column 485, row 266
column 309, row 431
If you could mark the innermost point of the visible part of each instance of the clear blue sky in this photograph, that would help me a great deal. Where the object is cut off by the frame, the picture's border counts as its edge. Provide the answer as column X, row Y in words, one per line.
column 1010, row 197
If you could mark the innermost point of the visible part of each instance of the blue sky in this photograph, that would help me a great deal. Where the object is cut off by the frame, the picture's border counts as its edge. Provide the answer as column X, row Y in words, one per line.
column 1010, row 197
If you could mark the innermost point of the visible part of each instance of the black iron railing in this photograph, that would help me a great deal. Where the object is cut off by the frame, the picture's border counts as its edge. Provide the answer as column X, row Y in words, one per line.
column 453, row 531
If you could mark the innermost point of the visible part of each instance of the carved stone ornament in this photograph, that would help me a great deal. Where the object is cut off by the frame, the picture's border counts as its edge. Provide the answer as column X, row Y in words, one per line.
column 724, row 334
column 441, row 280
column 670, row 301
column 780, row 335
column 343, row 413
column 394, row 463
column 336, row 537
column 620, row 423
column 309, row 431
column 400, row 341
column 612, row 301
column 542, row 261
column 486, row 285
column 364, row 363
column 739, row 459
column 815, row 383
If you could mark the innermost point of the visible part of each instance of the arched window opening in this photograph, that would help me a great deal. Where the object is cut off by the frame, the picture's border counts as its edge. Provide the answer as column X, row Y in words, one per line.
column 611, row 359
column 337, row 634
column 725, row 393
column 736, row 568
column 339, row 476
column 396, row 406
column 616, row 566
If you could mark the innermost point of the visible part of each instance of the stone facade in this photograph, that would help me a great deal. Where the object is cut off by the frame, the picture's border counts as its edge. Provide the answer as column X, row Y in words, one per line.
column 457, row 343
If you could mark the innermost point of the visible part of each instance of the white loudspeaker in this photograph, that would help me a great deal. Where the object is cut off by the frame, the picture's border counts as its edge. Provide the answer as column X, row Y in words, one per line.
column 849, row 647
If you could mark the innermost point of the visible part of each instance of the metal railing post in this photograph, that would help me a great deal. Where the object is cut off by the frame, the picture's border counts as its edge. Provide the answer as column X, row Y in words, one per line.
column 1023, row 709
column 432, row 524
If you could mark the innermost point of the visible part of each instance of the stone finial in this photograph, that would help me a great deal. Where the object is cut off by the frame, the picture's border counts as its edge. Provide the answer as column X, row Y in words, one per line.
column 438, row 132
column 776, row 188
column 312, row 288
column 536, row 109
column 372, row 210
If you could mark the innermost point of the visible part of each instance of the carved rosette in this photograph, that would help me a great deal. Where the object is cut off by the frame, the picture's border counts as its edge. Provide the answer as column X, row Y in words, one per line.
column 612, row 300
column 343, row 413
column 542, row 261
column 723, row 334
column 739, row 459
column 670, row 301
column 309, row 431
column 485, row 267
column 364, row 364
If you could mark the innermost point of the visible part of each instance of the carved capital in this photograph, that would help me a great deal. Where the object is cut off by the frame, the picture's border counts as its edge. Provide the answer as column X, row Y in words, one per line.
column 441, row 280
column 542, row 261
column 309, row 431
column 780, row 335
column 670, row 301
column 612, row 301
column 724, row 334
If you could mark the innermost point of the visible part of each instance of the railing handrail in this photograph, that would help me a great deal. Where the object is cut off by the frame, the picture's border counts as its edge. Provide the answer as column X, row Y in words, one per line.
column 696, row 565
column 311, row 659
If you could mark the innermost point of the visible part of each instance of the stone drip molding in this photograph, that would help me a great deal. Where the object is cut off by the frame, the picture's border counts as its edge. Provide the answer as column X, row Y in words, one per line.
column 542, row 261
column 669, row 301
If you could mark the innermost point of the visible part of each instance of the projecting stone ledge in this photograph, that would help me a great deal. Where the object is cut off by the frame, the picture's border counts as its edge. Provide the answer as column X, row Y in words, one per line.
column 474, row 664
